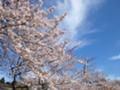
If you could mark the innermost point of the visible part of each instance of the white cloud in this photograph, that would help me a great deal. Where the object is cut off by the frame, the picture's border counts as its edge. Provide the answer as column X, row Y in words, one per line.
column 116, row 57
column 113, row 77
column 76, row 44
column 77, row 11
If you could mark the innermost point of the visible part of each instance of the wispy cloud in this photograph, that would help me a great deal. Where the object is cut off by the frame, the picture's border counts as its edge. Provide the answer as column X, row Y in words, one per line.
column 77, row 10
column 113, row 77
column 116, row 57
column 76, row 44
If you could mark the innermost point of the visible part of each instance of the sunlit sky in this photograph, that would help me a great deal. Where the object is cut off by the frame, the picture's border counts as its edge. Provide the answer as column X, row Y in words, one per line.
column 96, row 25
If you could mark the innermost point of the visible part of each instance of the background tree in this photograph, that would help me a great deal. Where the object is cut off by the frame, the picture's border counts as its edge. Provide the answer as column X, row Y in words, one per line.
column 2, row 80
column 15, row 67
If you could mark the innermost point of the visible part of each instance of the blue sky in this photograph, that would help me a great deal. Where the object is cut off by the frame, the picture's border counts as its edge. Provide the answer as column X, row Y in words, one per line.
column 96, row 25
column 106, row 47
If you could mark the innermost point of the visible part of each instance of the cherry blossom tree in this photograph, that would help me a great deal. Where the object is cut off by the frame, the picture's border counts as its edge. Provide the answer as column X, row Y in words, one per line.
column 26, row 30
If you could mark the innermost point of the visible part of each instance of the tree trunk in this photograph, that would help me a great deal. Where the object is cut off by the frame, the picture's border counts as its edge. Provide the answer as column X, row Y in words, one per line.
column 13, row 83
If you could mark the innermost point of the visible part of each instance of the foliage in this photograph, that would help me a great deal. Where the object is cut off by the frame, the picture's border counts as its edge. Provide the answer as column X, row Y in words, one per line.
column 2, row 80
